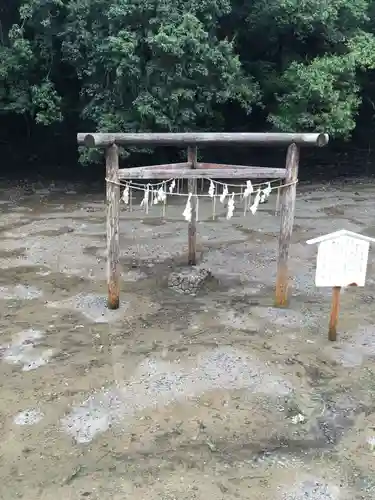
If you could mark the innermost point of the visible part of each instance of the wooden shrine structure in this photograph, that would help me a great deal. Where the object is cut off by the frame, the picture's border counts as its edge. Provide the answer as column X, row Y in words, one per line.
column 193, row 170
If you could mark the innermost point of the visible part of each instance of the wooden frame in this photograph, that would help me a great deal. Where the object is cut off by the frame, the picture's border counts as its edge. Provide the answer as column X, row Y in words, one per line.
column 192, row 170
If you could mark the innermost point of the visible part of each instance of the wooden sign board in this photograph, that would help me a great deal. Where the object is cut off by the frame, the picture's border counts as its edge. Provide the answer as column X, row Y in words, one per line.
column 342, row 259
column 341, row 262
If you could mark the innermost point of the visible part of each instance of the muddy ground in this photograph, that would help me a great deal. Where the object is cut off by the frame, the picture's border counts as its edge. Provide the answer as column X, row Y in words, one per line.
column 212, row 396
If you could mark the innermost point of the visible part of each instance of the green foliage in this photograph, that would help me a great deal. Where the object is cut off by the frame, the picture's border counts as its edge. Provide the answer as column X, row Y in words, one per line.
column 25, row 84
column 132, row 65
column 323, row 94
column 153, row 66
column 316, row 53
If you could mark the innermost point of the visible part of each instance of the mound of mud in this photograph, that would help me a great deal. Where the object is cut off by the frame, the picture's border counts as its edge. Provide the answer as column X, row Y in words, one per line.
column 190, row 281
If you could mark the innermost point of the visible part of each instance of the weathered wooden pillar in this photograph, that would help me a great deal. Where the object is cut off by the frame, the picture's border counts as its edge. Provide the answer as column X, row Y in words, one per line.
column 287, row 208
column 113, row 218
column 192, row 230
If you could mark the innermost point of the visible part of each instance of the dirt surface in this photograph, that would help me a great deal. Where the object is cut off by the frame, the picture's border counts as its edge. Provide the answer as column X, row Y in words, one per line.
column 179, row 396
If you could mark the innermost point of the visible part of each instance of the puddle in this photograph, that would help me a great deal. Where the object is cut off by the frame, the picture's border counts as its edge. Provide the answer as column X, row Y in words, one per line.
column 133, row 275
column 281, row 317
column 236, row 320
column 355, row 348
column 313, row 490
column 162, row 383
column 24, row 351
column 93, row 307
column 21, row 292
column 28, row 417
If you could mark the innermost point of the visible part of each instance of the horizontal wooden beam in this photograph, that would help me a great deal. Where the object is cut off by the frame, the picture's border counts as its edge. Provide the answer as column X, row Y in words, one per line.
column 187, row 173
column 202, row 139
column 221, row 165
column 172, row 166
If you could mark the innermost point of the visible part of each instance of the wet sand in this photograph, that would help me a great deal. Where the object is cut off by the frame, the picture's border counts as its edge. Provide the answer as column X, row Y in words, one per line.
column 173, row 396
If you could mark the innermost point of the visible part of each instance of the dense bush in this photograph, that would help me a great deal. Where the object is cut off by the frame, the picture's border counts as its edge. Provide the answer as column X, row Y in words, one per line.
column 168, row 65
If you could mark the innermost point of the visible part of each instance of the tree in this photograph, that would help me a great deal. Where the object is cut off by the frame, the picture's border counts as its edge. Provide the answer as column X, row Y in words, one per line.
column 310, row 62
column 170, row 65
column 25, row 71
column 142, row 65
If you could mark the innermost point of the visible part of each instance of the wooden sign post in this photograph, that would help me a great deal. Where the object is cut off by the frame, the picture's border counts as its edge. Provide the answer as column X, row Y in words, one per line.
column 334, row 317
column 341, row 262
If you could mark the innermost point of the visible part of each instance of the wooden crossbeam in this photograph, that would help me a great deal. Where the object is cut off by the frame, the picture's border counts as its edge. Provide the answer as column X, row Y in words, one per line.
column 172, row 166
column 202, row 139
column 214, row 173
column 221, row 165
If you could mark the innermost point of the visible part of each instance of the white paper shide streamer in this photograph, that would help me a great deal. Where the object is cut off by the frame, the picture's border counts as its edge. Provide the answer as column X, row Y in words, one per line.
column 224, row 194
column 254, row 206
column 125, row 195
column 265, row 193
column 146, row 198
column 230, row 211
column 248, row 190
column 161, row 195
column 155, row 197
column 154, row 194
column 268, row 190
column 187, row 212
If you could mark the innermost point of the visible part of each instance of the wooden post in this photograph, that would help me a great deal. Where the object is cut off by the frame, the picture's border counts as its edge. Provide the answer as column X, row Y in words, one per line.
column 335, row 307
column 287, row 207
column 113, row 217
column 192, row 230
